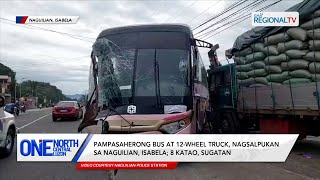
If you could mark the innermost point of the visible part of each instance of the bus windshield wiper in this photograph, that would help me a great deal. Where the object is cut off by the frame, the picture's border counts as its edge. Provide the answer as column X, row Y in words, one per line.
column 157, row 74
column 105, row 126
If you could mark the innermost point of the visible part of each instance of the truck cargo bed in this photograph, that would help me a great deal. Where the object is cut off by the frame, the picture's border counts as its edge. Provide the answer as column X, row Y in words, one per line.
column 300, row 99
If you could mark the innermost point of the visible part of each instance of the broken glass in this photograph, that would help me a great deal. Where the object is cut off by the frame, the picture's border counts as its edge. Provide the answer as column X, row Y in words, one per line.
column 115, row 70
column 128, row 74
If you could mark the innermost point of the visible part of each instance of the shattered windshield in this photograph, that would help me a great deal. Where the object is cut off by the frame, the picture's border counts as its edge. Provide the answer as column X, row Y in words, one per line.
column 135, row 74
column 115, row 72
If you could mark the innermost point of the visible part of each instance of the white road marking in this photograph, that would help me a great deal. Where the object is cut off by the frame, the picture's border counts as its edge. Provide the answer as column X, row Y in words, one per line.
column 34, row 121
column 32, row 110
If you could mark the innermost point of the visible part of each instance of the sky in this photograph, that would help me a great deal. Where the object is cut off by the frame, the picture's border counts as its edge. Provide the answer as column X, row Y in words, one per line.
column 63, row 61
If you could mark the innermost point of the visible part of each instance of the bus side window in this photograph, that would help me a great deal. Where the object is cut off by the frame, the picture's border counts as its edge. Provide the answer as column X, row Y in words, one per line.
column 203, row 72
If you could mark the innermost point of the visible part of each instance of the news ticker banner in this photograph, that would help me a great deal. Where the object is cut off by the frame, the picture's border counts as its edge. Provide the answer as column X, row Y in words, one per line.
column 150, row 148
column 46, row 19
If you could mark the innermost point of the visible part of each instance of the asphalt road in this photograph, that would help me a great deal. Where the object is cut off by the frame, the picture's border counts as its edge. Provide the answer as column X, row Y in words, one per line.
column 39, row 121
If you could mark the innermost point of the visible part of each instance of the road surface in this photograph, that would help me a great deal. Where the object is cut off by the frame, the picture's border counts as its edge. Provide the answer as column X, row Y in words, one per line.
column 39, row 121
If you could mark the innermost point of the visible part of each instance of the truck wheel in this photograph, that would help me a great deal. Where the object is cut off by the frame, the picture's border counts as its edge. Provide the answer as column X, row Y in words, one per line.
column 224, row 123
column 54, row 119
column 9, row 143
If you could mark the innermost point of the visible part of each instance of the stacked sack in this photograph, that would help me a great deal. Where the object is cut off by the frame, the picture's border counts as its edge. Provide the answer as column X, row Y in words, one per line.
column 288, row 57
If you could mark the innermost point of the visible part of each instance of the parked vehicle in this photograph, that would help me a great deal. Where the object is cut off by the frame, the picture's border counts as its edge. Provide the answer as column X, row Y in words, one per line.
column 12, row 109
column 67, row 110
column 7, row 131
column 150, row 78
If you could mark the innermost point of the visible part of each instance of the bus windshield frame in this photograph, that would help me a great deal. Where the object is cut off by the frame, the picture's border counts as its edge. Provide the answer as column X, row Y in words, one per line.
column 142, row 68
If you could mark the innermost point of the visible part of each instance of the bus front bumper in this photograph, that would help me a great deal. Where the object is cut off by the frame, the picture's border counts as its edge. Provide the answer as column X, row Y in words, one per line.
column 185, row 130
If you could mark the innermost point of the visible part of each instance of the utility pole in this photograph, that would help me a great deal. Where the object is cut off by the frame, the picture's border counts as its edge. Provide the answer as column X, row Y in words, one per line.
column 15, row 91
column 37, row 99
column 20, row 86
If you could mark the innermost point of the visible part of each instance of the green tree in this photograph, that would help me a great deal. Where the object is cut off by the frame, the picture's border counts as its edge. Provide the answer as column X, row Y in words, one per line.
column 44, row 91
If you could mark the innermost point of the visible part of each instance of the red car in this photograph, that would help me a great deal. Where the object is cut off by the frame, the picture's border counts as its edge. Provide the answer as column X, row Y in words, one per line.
column 67, row 110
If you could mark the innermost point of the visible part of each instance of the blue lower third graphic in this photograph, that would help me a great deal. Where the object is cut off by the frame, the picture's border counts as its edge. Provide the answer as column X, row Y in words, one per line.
column 47, row 147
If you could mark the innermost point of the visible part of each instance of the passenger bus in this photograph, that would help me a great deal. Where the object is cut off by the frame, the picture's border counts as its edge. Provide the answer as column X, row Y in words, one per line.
column 148, row 79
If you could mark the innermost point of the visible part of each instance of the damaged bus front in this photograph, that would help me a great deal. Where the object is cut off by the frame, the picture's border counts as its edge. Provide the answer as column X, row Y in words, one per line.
column 148, row 79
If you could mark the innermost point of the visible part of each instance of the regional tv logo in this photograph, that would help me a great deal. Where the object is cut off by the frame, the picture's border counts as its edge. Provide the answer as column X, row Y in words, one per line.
column 275, row 19
column 47, row 147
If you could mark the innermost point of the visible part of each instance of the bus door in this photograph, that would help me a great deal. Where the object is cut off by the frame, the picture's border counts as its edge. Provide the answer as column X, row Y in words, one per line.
column 200, row 90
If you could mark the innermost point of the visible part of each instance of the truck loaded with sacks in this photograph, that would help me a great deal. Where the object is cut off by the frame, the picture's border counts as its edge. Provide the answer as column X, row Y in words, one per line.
column 277, row 72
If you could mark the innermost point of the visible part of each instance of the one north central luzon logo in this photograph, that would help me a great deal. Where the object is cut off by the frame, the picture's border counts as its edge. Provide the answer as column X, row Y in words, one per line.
column 47, row 147
column 260, row 18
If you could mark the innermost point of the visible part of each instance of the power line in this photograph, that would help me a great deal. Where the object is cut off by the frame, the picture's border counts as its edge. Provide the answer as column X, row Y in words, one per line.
column 204, row 11
column 41, row 62
column 159, row 7
column 50, row 30
column 39, row 66
column 245, row 9
column 74, row 36
column 51, row 61
column 232, row 6
column 166, row 10
column 64, row 58
column 168, row 19
column 54, row 58
column 185, row 9
column 245, row 17
column 235, row 22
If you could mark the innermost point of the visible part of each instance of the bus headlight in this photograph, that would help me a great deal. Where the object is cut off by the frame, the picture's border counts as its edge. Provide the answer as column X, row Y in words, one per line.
column 174, row 127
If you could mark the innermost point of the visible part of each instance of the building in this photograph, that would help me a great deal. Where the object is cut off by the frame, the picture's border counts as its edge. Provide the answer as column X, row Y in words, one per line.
column 5, row 81
column 29, row 102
